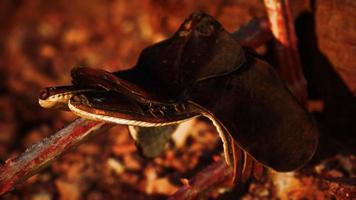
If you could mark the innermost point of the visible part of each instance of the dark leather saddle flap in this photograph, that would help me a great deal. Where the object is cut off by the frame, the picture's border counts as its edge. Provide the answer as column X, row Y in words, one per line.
column 199, row 50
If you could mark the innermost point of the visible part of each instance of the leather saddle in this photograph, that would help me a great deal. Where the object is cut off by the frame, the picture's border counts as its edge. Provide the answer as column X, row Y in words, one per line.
column 203, row 70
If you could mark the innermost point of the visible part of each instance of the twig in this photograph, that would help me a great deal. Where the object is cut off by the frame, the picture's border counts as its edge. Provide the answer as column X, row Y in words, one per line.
column 41, row 154
column 290, row 68
column 255, row 33
column 216, row 174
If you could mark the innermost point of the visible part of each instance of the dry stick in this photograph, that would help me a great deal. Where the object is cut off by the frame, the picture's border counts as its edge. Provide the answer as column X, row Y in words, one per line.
column 215, row 175
column 41, row 154
column 290, row 68
column 254, row 34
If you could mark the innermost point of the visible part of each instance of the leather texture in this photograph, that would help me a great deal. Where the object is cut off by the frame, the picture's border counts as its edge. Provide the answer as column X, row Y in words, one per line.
column 203, row 64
